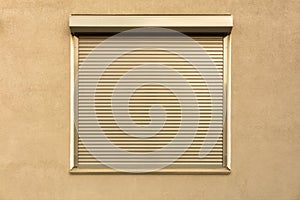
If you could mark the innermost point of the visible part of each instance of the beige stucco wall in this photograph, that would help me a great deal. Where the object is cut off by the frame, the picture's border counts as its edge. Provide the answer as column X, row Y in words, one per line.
column 34, row 104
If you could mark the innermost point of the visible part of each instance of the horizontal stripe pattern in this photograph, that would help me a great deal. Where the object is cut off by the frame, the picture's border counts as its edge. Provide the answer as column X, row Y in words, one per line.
column 209, row 59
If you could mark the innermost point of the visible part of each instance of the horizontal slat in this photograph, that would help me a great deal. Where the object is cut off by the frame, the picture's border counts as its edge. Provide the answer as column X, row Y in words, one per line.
column 85, row 159
column 154, row 125
column 148, row 143
column 124, row 67
column 216, row 151
column 166, row 126
column 121, row 97
column 148, row 39
column 213, row 84
column 152, row 56
column 110, row 47
column 179, row 167
column 116, row 52
column 134, row 37
column 149, row 55
column 209, row 62
column 121, row 72
column 180, row 67
column 104, row 119
column 198, row 85
column 154, row 44
column 101, row 113
column 165, row 155
column 195, row 81
column 139, row 101
column 143, row 114
column 143, row 77
column 188, row 164
column 143, row 103
column 149, row 146
column 146, row 92
column 165, row 133
column 146, row 118
column 153, row 139
column 156, row 160
column 186, row 54
column 141, row 96
column 159, row 43
column 202, row 58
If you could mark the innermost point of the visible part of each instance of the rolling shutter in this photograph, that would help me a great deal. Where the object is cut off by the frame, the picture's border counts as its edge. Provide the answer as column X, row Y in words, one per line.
column 89, row 144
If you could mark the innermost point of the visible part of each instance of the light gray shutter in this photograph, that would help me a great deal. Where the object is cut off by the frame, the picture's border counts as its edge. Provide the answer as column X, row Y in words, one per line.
column 143, row 99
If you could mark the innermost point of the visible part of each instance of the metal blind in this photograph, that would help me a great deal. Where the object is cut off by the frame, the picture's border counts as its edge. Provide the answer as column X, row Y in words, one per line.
column 143, row 99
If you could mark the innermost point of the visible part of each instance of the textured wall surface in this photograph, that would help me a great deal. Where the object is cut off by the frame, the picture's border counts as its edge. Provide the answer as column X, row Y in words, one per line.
column 34, row 104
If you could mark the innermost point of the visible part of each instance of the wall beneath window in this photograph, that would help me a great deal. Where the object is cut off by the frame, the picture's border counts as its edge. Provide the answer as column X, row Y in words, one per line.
column 34, row 104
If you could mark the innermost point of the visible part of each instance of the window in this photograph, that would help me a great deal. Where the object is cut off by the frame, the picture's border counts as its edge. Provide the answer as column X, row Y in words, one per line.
column 150, row 94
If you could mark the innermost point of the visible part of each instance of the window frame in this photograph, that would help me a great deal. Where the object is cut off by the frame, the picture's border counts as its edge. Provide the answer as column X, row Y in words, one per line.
column 217, row 24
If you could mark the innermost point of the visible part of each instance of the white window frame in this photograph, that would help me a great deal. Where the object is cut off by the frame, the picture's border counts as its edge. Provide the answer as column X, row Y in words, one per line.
column 216, row 23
